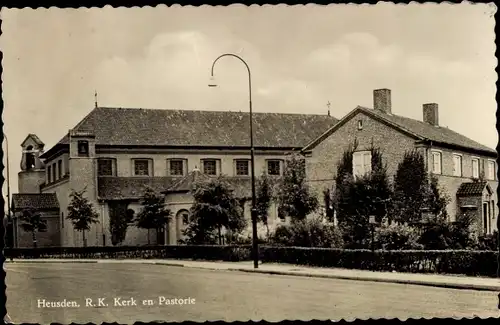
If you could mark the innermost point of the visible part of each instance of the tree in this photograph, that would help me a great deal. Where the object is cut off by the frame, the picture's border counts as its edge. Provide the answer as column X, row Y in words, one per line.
column 215, row 207
column 410, row 183
column 119, row 219
column 294, row 197
column 31, row 221
column 358, row 198
column 153, row 214
column 264, row 197
column 81, row 213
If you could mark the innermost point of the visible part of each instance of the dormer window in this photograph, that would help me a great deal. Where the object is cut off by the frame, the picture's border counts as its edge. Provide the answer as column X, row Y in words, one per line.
column 83, row 148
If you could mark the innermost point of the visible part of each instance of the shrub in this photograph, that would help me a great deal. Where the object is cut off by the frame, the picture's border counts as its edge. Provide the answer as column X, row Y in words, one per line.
column 195, row 252
column 397, row 236
column 307, row 233
column 488, row 242
column 468, row 262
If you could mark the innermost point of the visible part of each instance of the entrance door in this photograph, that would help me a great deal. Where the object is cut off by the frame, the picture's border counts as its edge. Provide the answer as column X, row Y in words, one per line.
column 160, row 239
column 485, row 218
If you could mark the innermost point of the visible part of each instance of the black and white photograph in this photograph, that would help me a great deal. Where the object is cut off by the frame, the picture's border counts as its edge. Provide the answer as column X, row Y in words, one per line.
column 235, row 163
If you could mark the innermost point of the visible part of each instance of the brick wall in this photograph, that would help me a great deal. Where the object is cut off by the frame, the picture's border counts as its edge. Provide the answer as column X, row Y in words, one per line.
column 321, row 166
column 50, row 238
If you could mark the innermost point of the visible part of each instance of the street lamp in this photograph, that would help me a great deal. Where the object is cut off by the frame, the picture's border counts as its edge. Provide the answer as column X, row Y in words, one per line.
column 10, row 230
column 212, row 83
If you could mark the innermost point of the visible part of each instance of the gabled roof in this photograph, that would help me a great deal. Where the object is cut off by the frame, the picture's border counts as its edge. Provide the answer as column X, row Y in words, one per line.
column 472, row 189
column 37, row 201
column 163, row 127
column 35, row 139
column 419, row 130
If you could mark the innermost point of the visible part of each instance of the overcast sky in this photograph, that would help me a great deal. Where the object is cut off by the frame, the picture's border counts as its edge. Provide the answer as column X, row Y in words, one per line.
column 301, row 57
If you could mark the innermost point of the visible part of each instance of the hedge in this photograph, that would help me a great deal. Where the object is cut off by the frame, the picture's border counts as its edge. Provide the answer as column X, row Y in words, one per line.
column 195, row 252
column 467, row 262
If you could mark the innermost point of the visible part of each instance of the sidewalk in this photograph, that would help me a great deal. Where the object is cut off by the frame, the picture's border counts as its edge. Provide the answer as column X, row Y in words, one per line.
column 435, row 280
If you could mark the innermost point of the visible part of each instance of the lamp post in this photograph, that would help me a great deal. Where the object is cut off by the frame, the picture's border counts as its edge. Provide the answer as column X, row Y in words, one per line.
column 10, row 230
column 255, row 245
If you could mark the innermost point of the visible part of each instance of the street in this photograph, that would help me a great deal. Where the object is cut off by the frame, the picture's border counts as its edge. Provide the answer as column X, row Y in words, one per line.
column 126, row 293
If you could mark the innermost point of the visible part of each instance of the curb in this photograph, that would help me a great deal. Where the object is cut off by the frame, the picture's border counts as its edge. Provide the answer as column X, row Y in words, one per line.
column 54, row 261
column 398, row 281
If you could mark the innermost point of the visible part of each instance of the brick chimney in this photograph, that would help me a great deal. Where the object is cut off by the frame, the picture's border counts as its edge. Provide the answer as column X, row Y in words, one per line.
column 382, row 100
column 431, row 113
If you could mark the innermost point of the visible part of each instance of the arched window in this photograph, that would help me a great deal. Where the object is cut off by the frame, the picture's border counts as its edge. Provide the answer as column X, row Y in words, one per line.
column 182, row 220
column 30, row 158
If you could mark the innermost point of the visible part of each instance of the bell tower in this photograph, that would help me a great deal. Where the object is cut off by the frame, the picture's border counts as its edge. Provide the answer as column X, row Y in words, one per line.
column 32, row 173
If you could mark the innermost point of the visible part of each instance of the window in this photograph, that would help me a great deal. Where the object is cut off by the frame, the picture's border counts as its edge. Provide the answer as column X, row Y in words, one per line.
column 209, row 166
column 457, row 165
column 491, row 170
column 62, row 219
column 492, row 209
column 105, row 167
column 49, row 174
column 142, row 167
column 436, row 162
column 54, row 172
column 59, row 169
column 176, row 167
column 274, row 167
column 361, row 163
column 360, row 125
column 242, row 167
column 83, row 148
column 475, row 167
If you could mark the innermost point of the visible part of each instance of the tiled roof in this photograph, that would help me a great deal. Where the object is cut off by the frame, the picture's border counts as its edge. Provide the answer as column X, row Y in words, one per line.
column 427, row 131
column 37, row 201
column 419, row 129
column 132, row 126
column 241, row 185
column 471, row 188
column 120, row 188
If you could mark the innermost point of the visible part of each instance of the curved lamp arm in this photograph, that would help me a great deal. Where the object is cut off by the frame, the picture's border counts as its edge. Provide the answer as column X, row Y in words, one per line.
column 246, row 65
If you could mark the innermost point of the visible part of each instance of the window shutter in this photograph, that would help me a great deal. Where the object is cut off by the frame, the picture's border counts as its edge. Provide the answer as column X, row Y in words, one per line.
column 356, row 164
column 367, row 162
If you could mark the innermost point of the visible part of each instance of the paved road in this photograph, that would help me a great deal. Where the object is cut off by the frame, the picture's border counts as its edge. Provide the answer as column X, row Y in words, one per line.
column 220, row 295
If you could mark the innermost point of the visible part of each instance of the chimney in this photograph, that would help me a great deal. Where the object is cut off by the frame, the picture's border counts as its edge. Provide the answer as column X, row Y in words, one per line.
column 431, row 114
column 382, row 100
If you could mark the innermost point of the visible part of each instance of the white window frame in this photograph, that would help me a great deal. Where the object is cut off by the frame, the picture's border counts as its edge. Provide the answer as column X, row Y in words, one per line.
column 361, row 163
column 491, row 173
column 113, row 166
column 440, row 153
column 280, row 163
column 150, row 167
column 236, row 161
column 217, row 166
column 455, row 172
column 169, row 166
column 478, row 167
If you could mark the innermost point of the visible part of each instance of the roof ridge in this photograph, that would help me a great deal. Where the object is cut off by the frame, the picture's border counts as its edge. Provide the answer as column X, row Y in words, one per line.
column 208, row 111
column 426, row 124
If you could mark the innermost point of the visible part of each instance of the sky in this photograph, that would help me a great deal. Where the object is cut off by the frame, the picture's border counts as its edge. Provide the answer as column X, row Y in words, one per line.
column 301, row 58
